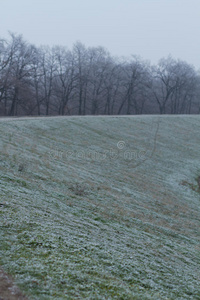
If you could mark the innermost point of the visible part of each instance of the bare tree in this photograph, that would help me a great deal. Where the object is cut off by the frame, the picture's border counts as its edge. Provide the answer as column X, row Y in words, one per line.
column 99, row 67
column 18, row 73
column 135, row 83
column 49, row 68
column 163, row 82
column 4, row 71
column 113, row 95
column 185, row 87
column 81, row 58
column 64, row 83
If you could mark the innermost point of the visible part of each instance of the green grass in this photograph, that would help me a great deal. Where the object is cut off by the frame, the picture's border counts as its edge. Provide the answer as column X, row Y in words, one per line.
column 101, row 207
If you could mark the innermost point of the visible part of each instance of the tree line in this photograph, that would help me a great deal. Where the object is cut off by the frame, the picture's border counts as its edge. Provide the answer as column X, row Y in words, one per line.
column 89, row 81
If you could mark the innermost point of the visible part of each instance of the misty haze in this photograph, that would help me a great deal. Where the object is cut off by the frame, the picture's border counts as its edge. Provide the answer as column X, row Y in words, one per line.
column 99, row 149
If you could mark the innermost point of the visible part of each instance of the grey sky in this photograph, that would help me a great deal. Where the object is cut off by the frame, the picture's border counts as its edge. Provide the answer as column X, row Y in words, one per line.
column 149, row 28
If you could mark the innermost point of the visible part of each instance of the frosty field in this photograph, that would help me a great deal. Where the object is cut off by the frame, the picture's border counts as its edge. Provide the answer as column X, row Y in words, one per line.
column 101, row 207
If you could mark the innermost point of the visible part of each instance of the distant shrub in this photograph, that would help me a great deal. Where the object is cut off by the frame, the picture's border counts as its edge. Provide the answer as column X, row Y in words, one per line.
column 78, row 189
column 194, row 187
column 21, row 167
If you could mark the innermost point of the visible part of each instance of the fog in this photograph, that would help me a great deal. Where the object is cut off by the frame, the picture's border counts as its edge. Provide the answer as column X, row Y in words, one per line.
column 151, row 29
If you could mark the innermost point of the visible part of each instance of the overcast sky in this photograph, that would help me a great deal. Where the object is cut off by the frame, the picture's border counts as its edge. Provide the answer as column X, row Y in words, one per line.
column 149, row 28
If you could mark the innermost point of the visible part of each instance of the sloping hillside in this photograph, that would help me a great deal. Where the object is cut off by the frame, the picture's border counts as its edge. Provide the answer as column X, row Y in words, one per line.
column 101, row 207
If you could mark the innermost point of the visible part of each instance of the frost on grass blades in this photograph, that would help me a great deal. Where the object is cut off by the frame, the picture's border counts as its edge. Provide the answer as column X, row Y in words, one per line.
column 101, row 207
column 122, row 150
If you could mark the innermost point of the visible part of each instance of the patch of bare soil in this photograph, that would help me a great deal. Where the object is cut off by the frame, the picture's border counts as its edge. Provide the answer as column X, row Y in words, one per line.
column 8, row 289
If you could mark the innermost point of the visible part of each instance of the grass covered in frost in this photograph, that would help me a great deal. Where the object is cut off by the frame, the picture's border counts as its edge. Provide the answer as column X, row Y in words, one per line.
column 101, row 207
